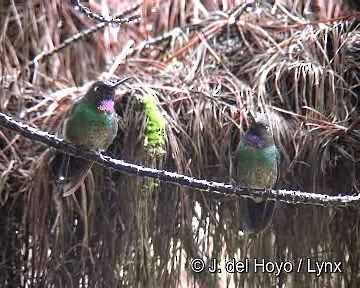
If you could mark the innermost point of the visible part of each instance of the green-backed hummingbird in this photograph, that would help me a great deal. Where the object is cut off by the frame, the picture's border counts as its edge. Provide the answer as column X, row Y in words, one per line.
column 256, row 166
column 91, row 123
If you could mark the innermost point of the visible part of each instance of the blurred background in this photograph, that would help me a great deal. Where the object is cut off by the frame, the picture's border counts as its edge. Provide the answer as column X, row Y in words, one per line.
column 196, row 67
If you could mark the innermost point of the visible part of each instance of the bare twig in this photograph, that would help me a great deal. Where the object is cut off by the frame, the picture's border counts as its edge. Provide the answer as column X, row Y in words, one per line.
column 220, row 189
column 82, row 34
column 45, row 54
column 100, row 18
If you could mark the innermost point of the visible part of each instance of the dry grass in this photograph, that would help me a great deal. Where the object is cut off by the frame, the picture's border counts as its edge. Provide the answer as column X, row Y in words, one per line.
column 124, row 231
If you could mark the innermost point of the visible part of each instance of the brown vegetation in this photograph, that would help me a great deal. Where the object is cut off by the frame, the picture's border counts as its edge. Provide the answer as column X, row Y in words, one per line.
column 125, row 231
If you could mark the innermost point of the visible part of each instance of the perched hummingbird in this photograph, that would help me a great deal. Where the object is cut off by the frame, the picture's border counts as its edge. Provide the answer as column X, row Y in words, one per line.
column 256, row 162
column 92, row 123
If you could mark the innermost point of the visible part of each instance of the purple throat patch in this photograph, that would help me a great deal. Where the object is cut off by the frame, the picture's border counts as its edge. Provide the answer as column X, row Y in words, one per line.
column 106, row 106
column 253, row 140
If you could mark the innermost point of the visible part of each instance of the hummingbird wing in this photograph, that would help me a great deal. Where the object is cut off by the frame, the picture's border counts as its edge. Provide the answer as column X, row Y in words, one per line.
column 77, row 171
column 97, row 135
column 69, row 171
column 72, row 130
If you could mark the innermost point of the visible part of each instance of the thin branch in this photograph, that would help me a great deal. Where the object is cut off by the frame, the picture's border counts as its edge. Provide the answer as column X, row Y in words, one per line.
column 220, row 189
column 82, row 34
column 45, row 54
column 115, row 20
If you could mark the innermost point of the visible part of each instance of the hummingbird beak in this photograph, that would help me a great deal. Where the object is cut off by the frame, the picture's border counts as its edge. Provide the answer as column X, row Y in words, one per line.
column 119, row 82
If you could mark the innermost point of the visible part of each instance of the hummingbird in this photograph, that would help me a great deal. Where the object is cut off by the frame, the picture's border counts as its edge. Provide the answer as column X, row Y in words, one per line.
column 256, row 166
column 91, row 123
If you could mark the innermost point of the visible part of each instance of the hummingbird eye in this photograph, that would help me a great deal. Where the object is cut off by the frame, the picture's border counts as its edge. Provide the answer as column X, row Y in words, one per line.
column 96, row 88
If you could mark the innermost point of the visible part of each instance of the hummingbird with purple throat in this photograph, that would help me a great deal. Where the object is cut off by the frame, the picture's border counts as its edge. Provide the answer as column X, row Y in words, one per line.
column 91, row 123
column 256, row 166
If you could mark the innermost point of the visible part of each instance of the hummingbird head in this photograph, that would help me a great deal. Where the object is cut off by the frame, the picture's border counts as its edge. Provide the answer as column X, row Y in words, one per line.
column 259, row 134
column 102, row 95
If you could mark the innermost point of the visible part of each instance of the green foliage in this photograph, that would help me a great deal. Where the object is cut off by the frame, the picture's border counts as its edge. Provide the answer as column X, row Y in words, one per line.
column 155, row 125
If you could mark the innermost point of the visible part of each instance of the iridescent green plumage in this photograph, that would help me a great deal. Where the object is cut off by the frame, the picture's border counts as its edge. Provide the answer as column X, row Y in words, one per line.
column 91, row 123
column 256, row 163
column 258, row 167
column 89, row 127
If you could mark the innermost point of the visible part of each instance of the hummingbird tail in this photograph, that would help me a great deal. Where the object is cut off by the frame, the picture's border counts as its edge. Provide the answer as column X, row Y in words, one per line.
column 69, row 170
column 256, row 216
